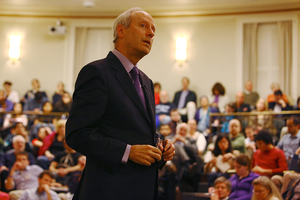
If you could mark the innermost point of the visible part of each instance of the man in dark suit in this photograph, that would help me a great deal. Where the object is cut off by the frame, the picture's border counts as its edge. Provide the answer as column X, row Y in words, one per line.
column 186, row 101
column 112, row 118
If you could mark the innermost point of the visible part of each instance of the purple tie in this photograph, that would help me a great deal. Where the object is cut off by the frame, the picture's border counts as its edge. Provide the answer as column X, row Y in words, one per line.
column 136, row 79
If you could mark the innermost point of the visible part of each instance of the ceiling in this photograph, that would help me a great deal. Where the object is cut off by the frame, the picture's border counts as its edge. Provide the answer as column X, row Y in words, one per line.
column 157, row 8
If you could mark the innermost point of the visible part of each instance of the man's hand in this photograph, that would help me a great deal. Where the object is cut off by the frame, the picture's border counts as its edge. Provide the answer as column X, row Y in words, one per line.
column 3, row 168
column 17, row 166
column 46, row 188
column 144, row 154
column 168, row 150
column 258, row 169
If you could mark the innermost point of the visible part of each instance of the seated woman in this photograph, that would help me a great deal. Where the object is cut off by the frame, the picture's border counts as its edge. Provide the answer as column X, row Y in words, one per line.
column 218, row 99
column 241, row 182
column 16, row 116
column 222, row 159
column 31, row 93
column 264, row 189
column 52, row 145
column 37, row 142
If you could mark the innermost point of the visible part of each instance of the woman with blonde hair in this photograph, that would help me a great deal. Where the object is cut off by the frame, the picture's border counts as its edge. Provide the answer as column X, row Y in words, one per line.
column 264, row 189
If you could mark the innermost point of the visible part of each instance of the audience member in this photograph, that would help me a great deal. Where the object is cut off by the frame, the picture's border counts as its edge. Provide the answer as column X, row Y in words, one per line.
column 264, row 189
column 163, row 109
column 64, row 164
column 202, row 116
column 22, row 176
column 52, row 145
column 37, row 142
column 165, row 130
column 221, row 189
column 186, row 100
column 31, row 93
column 157, row 88
column 63, row 105
column 230, row 108
column 60, row 89
column 186, row 159
column 11, row 95
column 197, row 136
column 35, row 104
column 218, row 99
column 242, row 181
column 222, row 155
column 43, row 190
column 5, row 104
column 267, row 160
column 175, row 119
column 17, row 116
column 17, row 129
column 250, row 145
column 47, row 117
column 279, row 103
column 241, row 106
column 251, row 97
column 237, row 139
column 271, row 97
column 261, row 120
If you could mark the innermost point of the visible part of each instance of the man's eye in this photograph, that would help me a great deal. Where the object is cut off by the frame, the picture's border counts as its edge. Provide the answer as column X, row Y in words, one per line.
column 143, row 25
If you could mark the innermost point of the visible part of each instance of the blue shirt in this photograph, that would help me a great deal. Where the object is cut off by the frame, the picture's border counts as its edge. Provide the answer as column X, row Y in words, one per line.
column 27, row 178
column 32, row 194
column 289, row 144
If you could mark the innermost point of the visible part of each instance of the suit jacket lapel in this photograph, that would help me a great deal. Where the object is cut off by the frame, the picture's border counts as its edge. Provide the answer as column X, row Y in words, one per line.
column 126, row 83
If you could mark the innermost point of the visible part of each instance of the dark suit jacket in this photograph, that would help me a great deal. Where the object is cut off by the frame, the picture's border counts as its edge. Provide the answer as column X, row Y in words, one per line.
column 190, row 97
column 106, row 115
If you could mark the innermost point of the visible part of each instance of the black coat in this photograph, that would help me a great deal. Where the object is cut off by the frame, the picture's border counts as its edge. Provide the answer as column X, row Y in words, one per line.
column 106, row 115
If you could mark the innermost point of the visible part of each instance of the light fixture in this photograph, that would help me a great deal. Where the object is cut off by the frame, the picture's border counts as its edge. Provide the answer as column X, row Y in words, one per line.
column 14, row 47
column 181, row 49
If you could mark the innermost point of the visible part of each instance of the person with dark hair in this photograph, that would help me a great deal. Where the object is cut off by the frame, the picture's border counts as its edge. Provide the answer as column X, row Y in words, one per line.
column 10, row 95
column 267, row 160
column 36, row 104
column 157, row 89
column 279, row 104
column 185, row 101
column 222, row 153
column 43, row 190
column 218, row 99
column 175, row 119
column 241, row 181
column 224, row 120
column 63, row 105
column 22, row 176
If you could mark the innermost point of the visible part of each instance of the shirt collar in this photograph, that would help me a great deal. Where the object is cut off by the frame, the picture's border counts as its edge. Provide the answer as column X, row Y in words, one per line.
column 125, row 61
column 296, row 136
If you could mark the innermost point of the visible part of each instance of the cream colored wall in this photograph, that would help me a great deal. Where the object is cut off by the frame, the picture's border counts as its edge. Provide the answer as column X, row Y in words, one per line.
column 42, row 56
column 214, row 53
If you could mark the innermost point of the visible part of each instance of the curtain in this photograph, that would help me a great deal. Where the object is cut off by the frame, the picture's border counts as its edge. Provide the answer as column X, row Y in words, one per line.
column 250, row 53
column 285, row 55
column 80, row 48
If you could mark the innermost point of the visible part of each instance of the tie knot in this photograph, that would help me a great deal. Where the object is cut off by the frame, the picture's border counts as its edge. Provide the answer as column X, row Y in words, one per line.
column 134, row 71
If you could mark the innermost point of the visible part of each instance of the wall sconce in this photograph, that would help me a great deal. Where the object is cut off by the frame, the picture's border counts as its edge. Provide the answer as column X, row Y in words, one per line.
column 14, row 47
column 181, row 49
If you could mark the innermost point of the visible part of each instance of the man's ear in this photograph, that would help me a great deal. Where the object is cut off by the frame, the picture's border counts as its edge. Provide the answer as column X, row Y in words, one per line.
column 120, row 31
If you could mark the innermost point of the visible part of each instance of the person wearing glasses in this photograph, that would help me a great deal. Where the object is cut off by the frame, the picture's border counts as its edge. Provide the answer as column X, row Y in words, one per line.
column 264, row 189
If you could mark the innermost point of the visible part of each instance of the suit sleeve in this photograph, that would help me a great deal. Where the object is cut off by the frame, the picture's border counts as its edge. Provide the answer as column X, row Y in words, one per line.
column 82, row 130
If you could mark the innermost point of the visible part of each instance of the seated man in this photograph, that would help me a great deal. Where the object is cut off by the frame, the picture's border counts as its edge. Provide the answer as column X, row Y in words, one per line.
column 163, row 109
column 267, row 160
column 251, row 97
column 64, row 164
column 279, row 104
column 11, row 95
column 43, row 190
column 64, row 105
column 241, row 106
column 221, row 189
column 22, row 176
column 186, row 101
column 175, row 119
column 237, row 139
column 8, row 158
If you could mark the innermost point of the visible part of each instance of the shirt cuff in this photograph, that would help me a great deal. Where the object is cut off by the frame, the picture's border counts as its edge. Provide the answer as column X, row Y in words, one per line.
column 126, row 154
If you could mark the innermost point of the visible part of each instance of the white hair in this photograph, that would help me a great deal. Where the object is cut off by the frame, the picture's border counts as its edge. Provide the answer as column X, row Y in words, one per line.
column 124, row 19
column 17, row 138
